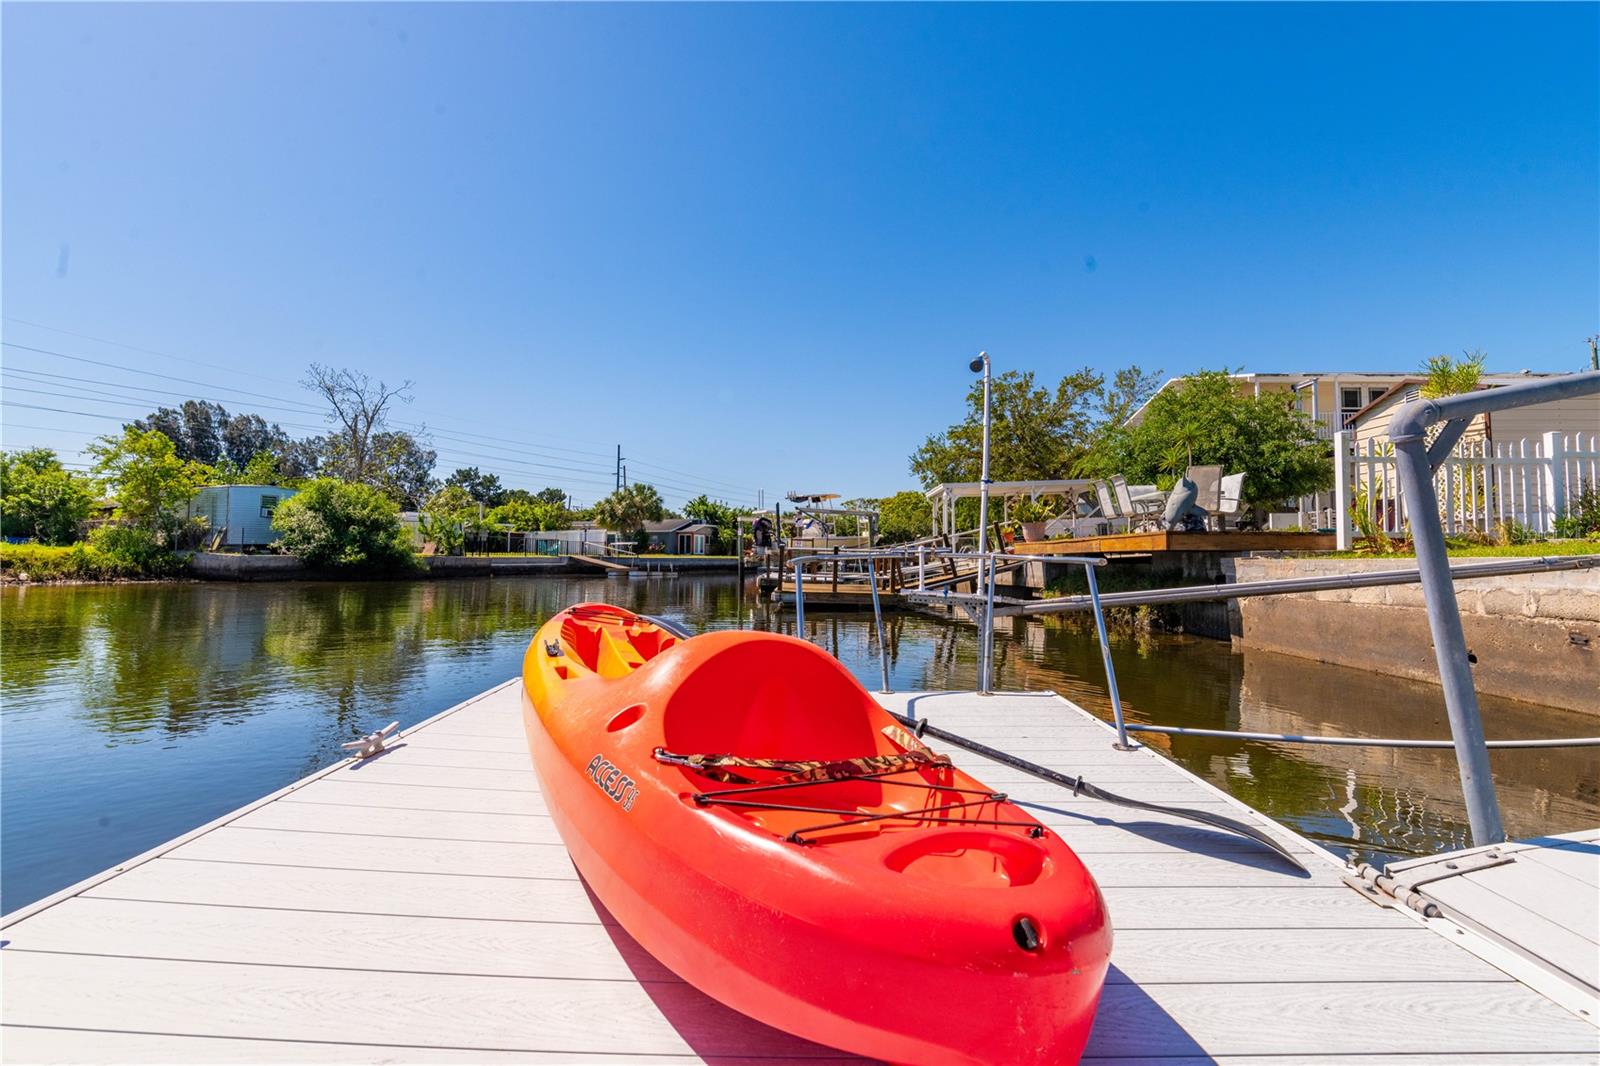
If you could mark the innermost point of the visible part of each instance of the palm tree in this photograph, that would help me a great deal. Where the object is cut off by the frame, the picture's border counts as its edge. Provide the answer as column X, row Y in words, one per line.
column 625, row 511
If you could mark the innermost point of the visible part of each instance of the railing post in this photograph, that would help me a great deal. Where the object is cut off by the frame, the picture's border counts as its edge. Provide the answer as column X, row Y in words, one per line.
column 1555, row 480
column 986, row 663
column 1105, row 654
column 922, row 567
column 799, row 597
column 1342, row 521
column 1449, row 641
column 877, row 617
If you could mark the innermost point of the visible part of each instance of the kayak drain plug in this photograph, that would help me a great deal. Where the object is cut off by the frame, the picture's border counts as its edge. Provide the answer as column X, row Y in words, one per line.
column 1024, row 933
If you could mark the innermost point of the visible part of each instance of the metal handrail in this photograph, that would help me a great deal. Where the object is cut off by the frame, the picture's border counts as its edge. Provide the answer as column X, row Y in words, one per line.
column 1361, row 742
column 986, row 572
column 1416, row 460
column 1095, row 602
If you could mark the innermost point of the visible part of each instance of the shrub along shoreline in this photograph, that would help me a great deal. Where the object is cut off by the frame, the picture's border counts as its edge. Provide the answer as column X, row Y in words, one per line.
column 83, row 564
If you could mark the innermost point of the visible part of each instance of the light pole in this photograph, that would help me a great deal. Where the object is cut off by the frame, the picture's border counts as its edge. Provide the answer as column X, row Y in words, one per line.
column 986, row 635
column 980, row 365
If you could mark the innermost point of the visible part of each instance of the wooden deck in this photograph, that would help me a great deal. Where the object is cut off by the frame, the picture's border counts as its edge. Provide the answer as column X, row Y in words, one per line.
column 1146, row 543
column 418, row 907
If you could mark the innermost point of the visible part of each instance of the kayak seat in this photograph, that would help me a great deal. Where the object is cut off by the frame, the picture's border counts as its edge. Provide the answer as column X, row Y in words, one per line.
column 613, row 648
column 767, row 697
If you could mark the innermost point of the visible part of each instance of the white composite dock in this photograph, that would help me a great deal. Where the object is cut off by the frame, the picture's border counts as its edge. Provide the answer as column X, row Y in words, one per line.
column 418, row 907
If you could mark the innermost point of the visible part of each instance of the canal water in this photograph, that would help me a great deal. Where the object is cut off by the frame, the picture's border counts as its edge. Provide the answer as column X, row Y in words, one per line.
column 130, row 714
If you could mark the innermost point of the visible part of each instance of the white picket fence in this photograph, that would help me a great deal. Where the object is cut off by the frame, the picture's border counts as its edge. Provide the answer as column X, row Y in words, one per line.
column 1481, row 486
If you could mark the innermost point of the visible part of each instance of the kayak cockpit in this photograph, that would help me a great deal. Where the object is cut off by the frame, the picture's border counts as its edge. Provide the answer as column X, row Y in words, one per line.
column 776, row 735
column 611, row 642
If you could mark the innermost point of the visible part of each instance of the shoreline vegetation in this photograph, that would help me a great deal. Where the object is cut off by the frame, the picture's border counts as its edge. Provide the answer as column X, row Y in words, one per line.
column 123, row 520
column 83, row 564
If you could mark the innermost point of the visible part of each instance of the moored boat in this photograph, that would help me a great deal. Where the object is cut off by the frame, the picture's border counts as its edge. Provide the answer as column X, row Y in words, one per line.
column 762, row 827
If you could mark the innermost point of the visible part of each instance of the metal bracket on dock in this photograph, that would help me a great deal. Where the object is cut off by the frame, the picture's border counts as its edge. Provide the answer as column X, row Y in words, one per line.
column 372, row 743
column 1387, row 890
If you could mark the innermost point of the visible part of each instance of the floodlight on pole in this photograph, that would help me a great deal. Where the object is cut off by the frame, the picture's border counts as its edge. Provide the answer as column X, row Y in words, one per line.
column 986, row 644
column 980, row 365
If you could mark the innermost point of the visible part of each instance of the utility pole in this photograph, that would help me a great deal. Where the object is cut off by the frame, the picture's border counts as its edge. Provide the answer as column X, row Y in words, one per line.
column 619, row 466
column 1594, row 352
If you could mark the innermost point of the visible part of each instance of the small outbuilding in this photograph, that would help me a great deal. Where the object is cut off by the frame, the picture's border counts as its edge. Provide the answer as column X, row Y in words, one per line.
column 238, row 517
column 680, row 536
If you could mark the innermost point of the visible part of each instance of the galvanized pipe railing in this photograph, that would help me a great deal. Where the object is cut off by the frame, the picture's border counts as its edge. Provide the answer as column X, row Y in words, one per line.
column 1290, row 585
column 1417, row 460
column 984, row 613
column 1360, row 742
column 980, row 606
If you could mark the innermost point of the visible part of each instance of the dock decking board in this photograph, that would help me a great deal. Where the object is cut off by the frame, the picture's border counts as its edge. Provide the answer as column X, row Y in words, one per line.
column 419, row 908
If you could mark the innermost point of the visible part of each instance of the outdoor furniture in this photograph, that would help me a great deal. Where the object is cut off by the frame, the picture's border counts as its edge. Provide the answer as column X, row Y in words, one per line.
column 1208, row 487
column 1141, row 504
column 1232, row 492
column 1108, row 505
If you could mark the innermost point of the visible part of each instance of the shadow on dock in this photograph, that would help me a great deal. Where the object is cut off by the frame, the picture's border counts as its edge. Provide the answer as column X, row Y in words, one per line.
column 715, row 1032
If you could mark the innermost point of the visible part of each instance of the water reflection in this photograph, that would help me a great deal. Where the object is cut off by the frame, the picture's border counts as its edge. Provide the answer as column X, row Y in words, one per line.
column 133, row 713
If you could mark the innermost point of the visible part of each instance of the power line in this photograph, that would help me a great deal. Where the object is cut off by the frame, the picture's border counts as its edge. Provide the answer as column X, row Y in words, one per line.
column 181, row 359
column 698, row 478
column 565, row 475
column 717, row 484
column 135, row 401
column 695, row 482
column 136, row 348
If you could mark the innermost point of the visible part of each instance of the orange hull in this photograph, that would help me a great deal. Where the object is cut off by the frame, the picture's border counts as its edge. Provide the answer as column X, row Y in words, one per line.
column 871, row 922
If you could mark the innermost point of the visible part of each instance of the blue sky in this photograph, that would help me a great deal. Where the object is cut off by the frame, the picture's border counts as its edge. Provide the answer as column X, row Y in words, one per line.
column 756, row 245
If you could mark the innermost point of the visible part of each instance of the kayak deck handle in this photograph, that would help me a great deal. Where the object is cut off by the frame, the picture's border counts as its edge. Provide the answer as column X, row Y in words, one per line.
column 1026, row 934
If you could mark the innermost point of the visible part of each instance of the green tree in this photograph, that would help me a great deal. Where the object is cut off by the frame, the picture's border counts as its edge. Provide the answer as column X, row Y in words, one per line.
column 445, row 518
column 904, row 516
column 1449, row 377
column 625, row 511
column 1036, row 433
column 1204, row 419
column 402, row 466
column 195, row 429
column 358, row 409
column 529, row 515
column 331, row 523
column 1129, row 389
column 262, row 468
column 246, row 436
column 147, row 478
column 720, row 514
column 42, row 499
column 484, row 488
column 553, row 496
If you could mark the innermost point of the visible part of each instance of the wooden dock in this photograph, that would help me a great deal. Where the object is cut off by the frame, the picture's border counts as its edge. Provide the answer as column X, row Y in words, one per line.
column 1151, row 543
column 418, row 907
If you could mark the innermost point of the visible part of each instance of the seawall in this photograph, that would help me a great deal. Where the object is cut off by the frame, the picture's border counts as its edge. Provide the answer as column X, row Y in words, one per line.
column 227, row 566
column 1534, row 637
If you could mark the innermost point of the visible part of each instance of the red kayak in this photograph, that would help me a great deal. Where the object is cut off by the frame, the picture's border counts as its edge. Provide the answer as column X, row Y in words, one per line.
column 762, row 827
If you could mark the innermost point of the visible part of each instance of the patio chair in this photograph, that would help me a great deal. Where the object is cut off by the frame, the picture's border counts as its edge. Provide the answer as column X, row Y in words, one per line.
column 1108, row 506
column 1208, row 487
column 1232, row 493
column 1141, row 504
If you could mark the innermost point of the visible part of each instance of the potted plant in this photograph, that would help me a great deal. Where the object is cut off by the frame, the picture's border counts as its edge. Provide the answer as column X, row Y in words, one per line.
column 1032, row 515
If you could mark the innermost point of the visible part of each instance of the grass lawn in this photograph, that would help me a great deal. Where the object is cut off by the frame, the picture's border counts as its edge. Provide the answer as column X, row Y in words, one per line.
column 1461, row 550
column 612, row 558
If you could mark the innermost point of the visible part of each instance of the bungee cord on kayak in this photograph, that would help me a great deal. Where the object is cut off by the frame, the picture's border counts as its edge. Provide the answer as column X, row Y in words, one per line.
column 916, row 756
